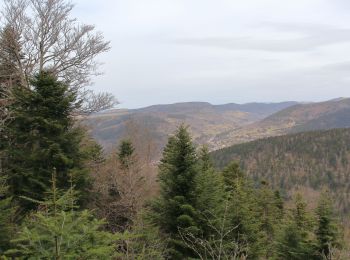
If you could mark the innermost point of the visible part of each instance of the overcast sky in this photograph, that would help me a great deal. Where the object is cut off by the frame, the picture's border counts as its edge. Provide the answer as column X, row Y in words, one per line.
column 222, row 51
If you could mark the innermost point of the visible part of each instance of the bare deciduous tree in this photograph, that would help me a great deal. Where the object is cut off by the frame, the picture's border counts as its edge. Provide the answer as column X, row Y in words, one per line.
column 9, row 72
column 51, row 40
column 123, row 191
column 96, row 102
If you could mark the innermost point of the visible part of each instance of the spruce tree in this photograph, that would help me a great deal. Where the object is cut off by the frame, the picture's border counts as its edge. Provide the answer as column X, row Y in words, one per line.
column 44, row 136
column 175, row 209
column 125, row 154
column 59, row 231
column 327, row 231
column 232, row 175
column 270, row 213
column 243, row 211
column 295, row 237
column 210, row 193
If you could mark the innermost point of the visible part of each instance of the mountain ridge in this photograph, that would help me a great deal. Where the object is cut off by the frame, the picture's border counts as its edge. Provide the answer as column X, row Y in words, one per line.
column 205, row 120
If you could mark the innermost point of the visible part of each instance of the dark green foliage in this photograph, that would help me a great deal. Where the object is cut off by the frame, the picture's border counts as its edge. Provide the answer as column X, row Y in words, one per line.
column 146, row 241
column 295, row 239
column 43, row 136
column 231, row 174
column 58, row 231
column 327, row 231
column 210, row 193
column 279, row 204
column 270, row 213
column 175, row 209
column 243, row 212
column 125, row 153
column 6, row 216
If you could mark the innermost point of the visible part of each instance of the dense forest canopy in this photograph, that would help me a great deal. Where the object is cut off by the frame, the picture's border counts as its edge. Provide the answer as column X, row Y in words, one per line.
column 307, row 161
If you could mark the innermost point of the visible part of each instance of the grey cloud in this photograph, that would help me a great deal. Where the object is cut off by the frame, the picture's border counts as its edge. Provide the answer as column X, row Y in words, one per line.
column 340, row 67
column 314, row 36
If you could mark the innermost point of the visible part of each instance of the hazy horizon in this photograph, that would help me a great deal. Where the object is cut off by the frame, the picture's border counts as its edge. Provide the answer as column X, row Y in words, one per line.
column 120, row 106
column 166, row 51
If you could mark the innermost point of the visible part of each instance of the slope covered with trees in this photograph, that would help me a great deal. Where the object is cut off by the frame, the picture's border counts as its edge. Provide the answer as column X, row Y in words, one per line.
column 299, row 118
column 205, row 120
column 311, row 160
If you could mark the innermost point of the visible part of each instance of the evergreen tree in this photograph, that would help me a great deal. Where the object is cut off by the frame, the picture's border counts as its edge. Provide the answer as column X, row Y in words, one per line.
column 6, row 216
column 210, row 193
column 232, row 175
column 270, row 213
column 58, row 231
column 279, row 204
column 146, row 241
column 43, row 136
column 175, row 209
column 327, row 231
column 295, row 239
column 243, row 212
column 125, row 154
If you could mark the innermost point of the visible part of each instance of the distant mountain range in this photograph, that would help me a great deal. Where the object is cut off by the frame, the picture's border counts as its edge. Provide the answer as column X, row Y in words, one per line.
column 220, row 125
column 305, row 162
column 206, row 121
column 293, row 119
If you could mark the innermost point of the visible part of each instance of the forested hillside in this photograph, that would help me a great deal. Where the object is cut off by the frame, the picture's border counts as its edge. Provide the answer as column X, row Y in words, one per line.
column 301, row 117
column 338, row 119
column 206, row 120
column 220, row 126
column 310, row 160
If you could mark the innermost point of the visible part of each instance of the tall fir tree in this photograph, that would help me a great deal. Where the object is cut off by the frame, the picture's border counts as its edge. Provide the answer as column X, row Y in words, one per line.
column 243, row 212
column 44, row 136
column 327, row 231
column 270, row 214
column 232, row 175
column 295, row 238
column 210, row 193
column 125, row 154
column 175, row 209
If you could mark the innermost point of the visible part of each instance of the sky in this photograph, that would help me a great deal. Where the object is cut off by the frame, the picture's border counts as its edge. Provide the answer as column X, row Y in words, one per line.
column 221, row 51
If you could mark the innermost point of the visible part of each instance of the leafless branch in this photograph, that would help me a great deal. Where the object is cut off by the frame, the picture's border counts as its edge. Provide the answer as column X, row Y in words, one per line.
column 96, row 102
column 50, row 39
